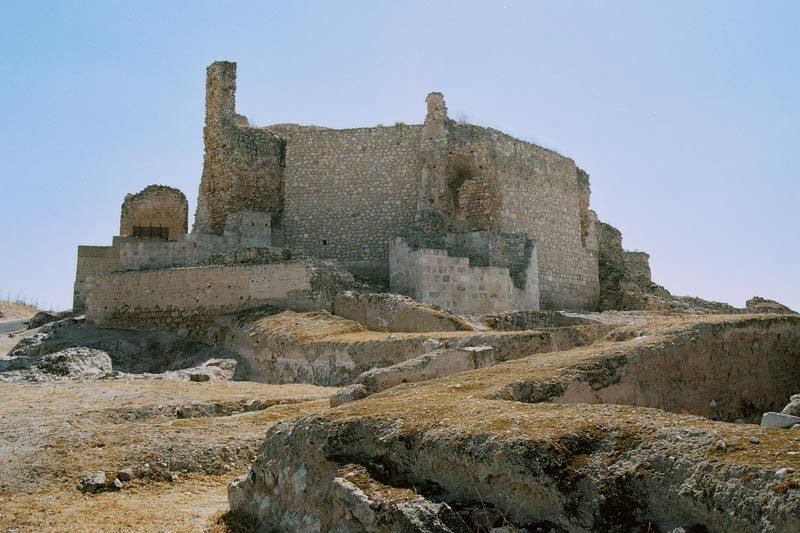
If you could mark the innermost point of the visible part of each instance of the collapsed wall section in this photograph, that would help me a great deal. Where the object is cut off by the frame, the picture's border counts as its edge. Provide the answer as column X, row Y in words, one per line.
column 349, row 192
column 191, row 298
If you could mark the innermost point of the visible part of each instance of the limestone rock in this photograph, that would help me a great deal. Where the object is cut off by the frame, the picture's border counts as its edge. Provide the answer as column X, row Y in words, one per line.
column 436, row 364
column 349, row 394
column 125, row 474
column 364, row 504
column 762, row 305
column 97, row 482
column 778, row 420
column 64, row 365
column 793, row 407
column 41, row 318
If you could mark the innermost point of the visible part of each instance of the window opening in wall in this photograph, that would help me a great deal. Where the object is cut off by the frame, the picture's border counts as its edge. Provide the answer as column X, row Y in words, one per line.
column 151, row 232
column 324, row 242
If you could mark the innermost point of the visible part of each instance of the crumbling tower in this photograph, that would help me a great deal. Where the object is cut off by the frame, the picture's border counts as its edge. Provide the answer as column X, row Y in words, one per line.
column 243, row 165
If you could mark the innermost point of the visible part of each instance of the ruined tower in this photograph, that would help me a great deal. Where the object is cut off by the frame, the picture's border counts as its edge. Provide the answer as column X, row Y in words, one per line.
column 243, row 166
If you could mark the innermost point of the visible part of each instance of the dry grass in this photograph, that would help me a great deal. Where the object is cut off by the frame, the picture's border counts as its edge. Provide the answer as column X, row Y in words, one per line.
column 10, row 311
column 50, row 435
column 306, row 327
column 463, row 404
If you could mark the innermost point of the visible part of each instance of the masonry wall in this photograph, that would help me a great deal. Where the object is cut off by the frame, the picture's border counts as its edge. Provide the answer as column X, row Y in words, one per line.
column 190, row 298
column 155, row 206
column 540, row 196
column 637, row 265
column 92, row 260
column 432, row 276
column 242, row 166
column 194, row 247
column 487, row 248
column 348, row 192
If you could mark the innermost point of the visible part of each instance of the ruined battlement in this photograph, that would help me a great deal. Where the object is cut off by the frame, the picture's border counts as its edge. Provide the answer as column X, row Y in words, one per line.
column 348, row 195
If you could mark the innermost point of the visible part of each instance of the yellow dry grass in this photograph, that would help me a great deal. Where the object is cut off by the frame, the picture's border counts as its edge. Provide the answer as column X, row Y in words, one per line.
column 15, row 311
column 50, row 435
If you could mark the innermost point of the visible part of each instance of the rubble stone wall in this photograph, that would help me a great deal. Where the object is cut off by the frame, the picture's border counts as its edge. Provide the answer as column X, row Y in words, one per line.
column 243, row 165
column 637, row 265
column 194, row 247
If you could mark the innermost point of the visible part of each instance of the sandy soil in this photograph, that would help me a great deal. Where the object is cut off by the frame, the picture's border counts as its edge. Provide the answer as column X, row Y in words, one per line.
column 51, row 435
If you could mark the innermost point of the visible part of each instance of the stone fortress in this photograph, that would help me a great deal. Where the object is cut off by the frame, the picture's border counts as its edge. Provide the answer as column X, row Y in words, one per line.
column 457, row 215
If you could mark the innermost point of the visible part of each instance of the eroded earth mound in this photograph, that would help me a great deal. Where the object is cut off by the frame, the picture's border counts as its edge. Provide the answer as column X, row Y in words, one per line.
column 511, row 445
column 617, row 421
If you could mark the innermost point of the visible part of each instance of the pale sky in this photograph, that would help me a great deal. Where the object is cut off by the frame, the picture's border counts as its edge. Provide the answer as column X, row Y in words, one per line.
column 686, row 114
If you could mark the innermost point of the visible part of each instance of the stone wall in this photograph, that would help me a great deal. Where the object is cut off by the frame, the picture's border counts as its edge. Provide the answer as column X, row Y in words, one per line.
column 92, row 260
column 193, row 248
column 349, row 192
column 190, row 298
column 611, row 266
column 625, row 279
column 637, row 265
column 251, row 228
column 243, row 166
column 346, row 194
column 526, row 320
column 156, row 206
column 488, row 248
column 542, row 197
column 432, row 276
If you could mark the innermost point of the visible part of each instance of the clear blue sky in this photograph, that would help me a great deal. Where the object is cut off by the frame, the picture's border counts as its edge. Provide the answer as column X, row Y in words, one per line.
column 686, row 114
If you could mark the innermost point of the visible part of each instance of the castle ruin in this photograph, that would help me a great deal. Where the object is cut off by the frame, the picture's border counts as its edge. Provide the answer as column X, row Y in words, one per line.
column 452, row 214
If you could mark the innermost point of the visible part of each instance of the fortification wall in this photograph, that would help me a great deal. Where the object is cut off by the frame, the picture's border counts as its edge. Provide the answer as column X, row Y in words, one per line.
column 92, row 260
column 637, row 265
column 155, row 206
column 488, row 248
column 191, row 298
column 348, row 192
column 194, row 247
column 243, row 166
column 540, row 195
column 432, row 276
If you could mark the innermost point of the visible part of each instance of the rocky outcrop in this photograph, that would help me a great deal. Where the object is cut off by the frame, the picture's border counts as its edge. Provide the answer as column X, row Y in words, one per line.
column 455, row 447
column 789, row 417
column 325, row 349
column 432, row 365
column 395, row 313
column 757, row 304
column 68, row 364
column 723, row 368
